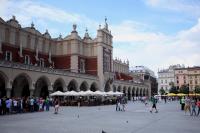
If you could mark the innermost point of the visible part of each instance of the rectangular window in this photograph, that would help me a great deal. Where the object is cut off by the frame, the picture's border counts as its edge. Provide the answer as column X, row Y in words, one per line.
column 190, row 81
column 41, row 62
column 26, row 60
column 196, row 82
column 8, row 56
column 82, row 66
column 165, row 81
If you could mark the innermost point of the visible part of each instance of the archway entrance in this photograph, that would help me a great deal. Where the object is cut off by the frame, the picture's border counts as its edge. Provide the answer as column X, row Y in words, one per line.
column 119, row 89
column 94, row 87
column 84, row 86
column 72, row 86
column 41, row 88
column 2, row 86
column 20, row 87
column 114, row 88
column 107, row 86
column 133, row 92
column 58, row 85
column 124, row 91
column 129, row 93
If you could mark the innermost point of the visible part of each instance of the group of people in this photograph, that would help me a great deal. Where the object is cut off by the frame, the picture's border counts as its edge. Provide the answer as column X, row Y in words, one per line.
column 23, row 105
column 120, row 104
column 190, row 105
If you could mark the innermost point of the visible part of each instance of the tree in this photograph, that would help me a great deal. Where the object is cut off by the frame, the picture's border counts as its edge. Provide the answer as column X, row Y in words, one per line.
column 162, row 91
column 173, row 90
column 197, row 89
column 184, row 89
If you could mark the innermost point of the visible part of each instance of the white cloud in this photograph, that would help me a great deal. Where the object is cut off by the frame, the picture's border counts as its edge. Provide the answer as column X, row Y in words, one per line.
column 157, row 50
column 43, row 15
column 191, row 7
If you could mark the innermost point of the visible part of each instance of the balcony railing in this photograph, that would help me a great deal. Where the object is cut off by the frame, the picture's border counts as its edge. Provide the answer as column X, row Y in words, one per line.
column 21, row 66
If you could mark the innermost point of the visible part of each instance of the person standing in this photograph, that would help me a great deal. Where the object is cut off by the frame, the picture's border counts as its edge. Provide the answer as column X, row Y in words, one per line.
column 182, row 102
column 154, row 102
column 187, row 105
column 56, row 106
column 193, row 106
column 198, row 105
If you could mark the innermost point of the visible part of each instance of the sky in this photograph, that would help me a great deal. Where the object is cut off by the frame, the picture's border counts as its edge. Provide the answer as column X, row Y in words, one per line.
column 152, row 33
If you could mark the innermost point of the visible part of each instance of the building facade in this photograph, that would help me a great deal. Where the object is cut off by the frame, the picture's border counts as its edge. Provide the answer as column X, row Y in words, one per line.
column 166, row 77
column 187, row 76
column 32, row 63
column 147, row 76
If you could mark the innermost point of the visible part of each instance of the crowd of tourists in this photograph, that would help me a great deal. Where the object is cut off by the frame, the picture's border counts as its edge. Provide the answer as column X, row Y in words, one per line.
column 23, row 105
column 120, row 103
column 191, row 105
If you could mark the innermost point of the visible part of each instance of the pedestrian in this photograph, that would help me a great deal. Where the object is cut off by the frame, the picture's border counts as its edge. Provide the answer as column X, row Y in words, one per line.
column 182, row 102
column 193, row 106
column 154, row 102
column 198, row 105
column 8, row 106
column 187, row 105
column 47, row 104
column 56, row 106
column 3, row 102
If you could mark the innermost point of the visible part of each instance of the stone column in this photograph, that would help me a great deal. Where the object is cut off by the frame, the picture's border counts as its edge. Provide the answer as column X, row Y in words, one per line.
column 8, row 92
column 31, row 92
column 20, row 50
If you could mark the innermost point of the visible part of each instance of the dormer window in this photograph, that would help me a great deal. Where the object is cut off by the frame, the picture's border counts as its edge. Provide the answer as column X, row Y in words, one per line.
column 41, row 62
column 8, row 56
column 26, row 60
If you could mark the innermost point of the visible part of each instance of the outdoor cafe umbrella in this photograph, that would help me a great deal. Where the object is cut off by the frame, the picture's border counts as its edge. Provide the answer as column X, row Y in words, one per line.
column 89, row 93
column 71, row 93
column 181, row 94
column 117, row 93
column 110, row 93
column 57, row 93
column 99, row 93
column 171, row 94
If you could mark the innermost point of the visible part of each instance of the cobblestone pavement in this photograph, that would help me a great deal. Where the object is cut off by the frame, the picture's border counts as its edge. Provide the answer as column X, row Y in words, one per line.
column 136, row 119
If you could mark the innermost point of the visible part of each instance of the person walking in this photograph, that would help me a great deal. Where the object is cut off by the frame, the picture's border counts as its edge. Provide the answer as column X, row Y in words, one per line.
column 187, row 105
column 182, row 102
column 198, row 105
column 56, row 106
column 154, row 102
column 193, row 106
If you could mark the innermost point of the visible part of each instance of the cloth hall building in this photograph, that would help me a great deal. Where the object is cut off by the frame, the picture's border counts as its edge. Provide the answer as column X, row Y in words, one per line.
column 32, row 63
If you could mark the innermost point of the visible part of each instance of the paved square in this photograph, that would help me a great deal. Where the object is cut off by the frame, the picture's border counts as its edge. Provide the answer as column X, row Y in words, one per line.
column 137, row 119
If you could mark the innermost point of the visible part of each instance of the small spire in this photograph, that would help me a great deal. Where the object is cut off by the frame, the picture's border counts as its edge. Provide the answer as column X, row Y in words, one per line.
column 86, row 30
column 13, row 17
column 105, row 19
column 106, row 24
column 74, row 27
column 60, row 36
column 32, row 25
column 86, row 33
column 47, row 32
column 99, row 26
